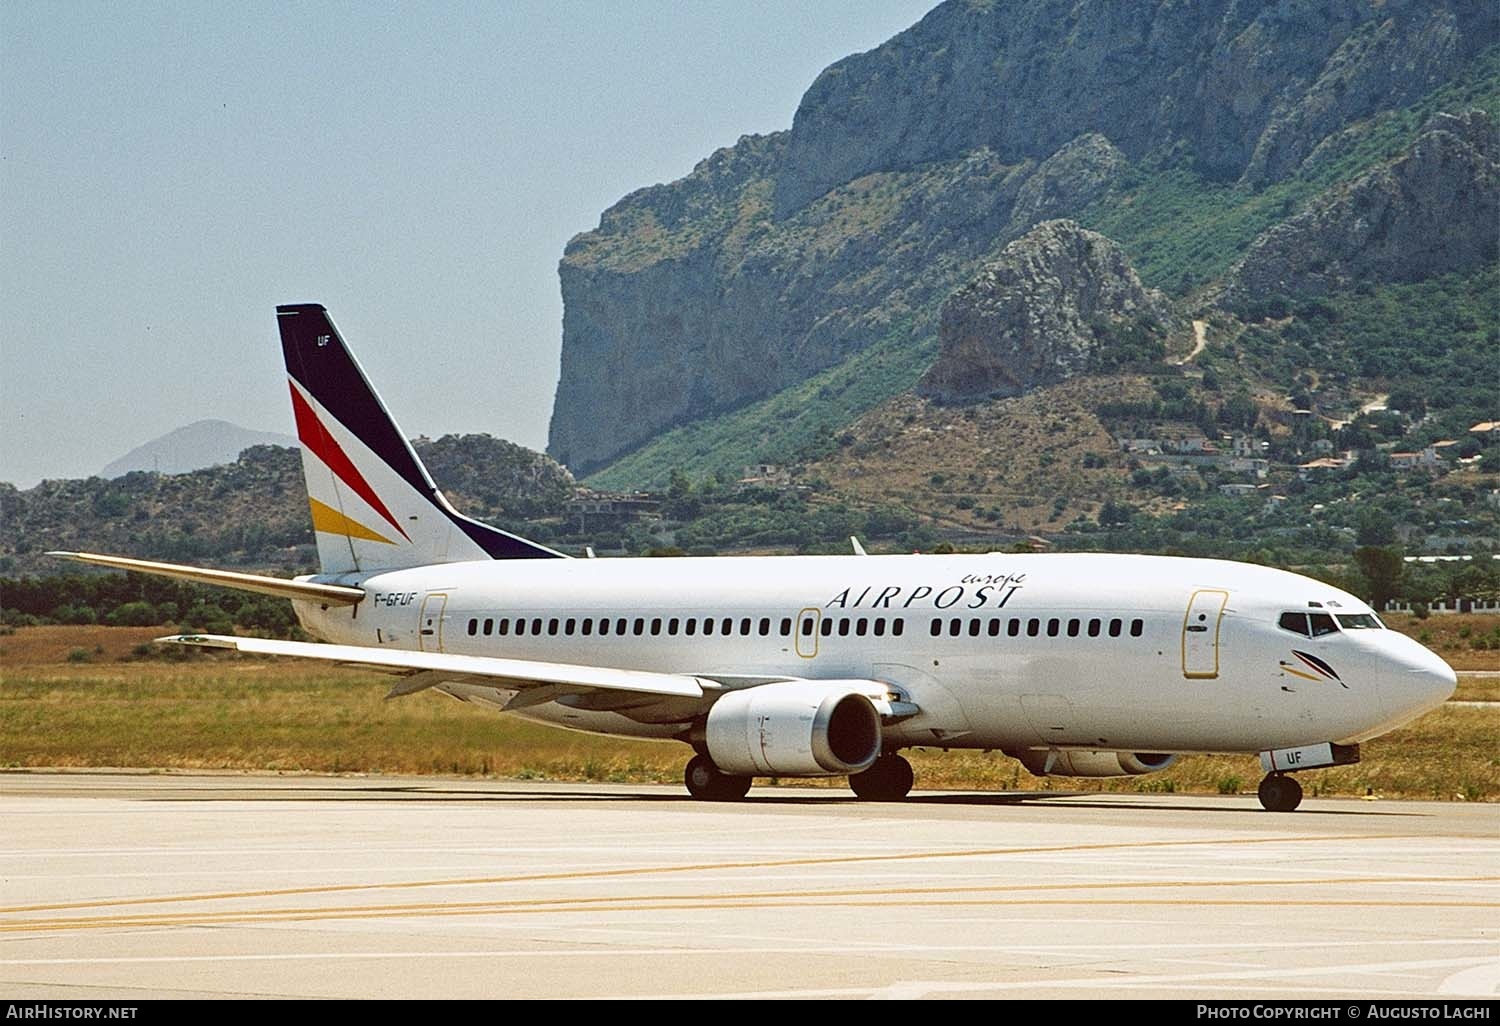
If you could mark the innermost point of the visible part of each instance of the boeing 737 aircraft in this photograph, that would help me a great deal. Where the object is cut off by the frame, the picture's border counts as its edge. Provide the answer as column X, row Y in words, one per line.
column 802, row 666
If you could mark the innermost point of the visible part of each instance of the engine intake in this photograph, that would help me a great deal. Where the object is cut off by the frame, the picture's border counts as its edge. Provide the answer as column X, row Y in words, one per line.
column 1058, row 763
column 795, row 728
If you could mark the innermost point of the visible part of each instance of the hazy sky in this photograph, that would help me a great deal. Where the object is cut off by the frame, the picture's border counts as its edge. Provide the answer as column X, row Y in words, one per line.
column 171, row 172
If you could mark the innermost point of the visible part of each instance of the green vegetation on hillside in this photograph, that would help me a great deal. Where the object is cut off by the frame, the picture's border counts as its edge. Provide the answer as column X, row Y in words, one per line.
column 1182, row 228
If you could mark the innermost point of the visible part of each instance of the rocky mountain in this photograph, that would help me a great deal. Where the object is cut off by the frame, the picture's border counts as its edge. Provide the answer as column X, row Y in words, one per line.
column 1180, row 131
column 251, row 513
column 1060, row 301
column 1381, row 226
column 204, row 443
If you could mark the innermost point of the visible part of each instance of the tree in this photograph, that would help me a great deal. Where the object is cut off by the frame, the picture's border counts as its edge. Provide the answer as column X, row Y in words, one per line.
column 1382, row 569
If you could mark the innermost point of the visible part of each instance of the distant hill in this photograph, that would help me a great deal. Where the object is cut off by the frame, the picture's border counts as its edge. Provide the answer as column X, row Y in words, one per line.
column 204, row 443
column 251, row 512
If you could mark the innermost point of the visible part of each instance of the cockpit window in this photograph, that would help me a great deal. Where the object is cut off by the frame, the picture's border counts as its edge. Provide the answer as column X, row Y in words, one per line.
column 1322, row 623
column 1359, row 622
column 1309, row 625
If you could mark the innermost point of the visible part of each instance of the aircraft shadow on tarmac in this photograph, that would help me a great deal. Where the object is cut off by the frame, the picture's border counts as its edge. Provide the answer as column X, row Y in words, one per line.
column 762, row 798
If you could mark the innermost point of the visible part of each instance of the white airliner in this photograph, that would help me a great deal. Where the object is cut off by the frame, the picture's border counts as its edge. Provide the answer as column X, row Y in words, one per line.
column 801, row 666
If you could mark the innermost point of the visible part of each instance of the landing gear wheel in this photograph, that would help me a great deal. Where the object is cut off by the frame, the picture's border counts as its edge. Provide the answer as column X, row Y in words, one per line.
column 1279, row 793
column 708, row 783
column 888, row 780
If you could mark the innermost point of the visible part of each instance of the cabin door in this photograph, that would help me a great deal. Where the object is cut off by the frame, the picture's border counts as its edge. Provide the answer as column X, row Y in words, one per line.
column 1200, row 634
column 430, row 627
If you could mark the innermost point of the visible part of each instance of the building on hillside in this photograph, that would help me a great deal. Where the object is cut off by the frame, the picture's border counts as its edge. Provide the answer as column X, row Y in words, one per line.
column 606, row 510
column 1427, row 459
column 1256, row 468
column 763, row 475
column 1321, row 467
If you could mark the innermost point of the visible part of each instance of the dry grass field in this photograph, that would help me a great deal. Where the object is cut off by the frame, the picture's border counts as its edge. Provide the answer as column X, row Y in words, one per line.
column 93, row 697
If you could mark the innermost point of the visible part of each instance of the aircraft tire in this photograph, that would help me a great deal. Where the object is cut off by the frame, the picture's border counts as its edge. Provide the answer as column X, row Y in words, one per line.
column 1279, row 793
column 708, row 783
column 888, row 780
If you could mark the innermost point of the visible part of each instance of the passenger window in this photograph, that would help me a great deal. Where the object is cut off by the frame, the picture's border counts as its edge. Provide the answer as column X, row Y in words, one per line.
column 1294, row 622
column 727, row 627
column 1114, row 628
column 880, row 626
column 1322, row 623
column 765, row 626
column 955, row 627
column 994, row 627
column 861, row 627
column 473, row 627
column 672, row 626
column 1094, row 626
column 937, row 627
column 974, row 627
column 745, row 626
column 691, row 627
column 1014, row 627
column 640, row 626
column 1052, row 627
column 570, row 626
column 503, row 627
column 536, row 625
column 1136, row 627
column 708, row 625
column 843, row 627
column 807, row 626
column 655, row 626
column 1073, row 626
column 827, row 628
column 489, row 626
column 898, row 627
column 552, row 627
column 603, row 625
column 520, row 626
column 1033, row 627
column 786, row 626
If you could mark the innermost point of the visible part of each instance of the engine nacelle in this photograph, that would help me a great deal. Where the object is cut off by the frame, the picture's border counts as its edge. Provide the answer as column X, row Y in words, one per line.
column 794, row 729
column 1058, row 763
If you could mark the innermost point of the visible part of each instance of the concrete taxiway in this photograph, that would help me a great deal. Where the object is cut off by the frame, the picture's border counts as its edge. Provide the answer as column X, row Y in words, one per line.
column 139, row 886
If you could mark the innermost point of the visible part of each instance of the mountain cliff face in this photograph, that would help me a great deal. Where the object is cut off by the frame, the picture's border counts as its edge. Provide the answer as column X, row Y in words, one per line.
column 910, row 167
column 1383, row 225
column 1053, row 306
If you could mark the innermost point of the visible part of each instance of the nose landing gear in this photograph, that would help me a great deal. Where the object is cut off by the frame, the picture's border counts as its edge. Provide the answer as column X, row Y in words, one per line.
column 1279, row 793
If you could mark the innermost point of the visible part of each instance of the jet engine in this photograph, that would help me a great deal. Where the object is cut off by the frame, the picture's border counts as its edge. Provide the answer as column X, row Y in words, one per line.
column 1058, row 763
column 794, row 728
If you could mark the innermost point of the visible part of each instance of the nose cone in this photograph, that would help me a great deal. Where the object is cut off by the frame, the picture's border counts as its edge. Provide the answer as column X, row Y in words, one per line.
column 1425, row 681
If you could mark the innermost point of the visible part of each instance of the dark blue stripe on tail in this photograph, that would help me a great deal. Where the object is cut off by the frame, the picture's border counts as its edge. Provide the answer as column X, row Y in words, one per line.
column 318, row 360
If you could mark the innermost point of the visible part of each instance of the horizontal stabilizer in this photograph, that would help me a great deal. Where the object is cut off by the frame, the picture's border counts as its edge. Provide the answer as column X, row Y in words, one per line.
column 328, row 594
column 435, row 667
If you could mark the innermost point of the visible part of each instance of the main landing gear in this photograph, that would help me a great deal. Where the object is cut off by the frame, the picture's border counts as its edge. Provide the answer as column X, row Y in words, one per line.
column 1279, row 793
column 889, row 779
column 708, row 783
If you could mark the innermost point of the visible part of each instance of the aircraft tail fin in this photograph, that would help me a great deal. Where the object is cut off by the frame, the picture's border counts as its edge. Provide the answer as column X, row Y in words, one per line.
column 374, row 506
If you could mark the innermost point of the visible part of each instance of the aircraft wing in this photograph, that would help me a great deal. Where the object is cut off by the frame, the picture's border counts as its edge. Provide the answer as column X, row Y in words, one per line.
column 329, row 594
column 429, row 669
